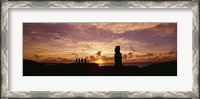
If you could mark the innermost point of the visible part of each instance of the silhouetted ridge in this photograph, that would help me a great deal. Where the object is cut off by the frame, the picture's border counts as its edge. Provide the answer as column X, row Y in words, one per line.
column 26, row 61
column 32, row 68
column 167, row 68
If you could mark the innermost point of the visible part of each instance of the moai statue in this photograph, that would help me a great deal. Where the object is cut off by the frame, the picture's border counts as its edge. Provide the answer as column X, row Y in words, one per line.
column 118, row 57
column 81, row 60
column 85, row 60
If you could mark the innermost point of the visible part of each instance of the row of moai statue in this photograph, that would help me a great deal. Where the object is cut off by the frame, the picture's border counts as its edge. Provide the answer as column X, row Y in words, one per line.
column 81, row 60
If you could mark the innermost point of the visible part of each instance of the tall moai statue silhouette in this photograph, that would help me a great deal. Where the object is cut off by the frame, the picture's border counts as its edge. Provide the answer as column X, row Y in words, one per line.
column 79, row 61
column 85, row 60
column 118, row 57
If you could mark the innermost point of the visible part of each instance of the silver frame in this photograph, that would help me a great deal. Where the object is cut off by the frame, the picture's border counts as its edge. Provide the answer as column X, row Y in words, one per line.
column 98, row 4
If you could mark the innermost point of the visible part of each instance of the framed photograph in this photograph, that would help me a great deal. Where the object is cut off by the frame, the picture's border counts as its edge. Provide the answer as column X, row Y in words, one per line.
column 100, row 49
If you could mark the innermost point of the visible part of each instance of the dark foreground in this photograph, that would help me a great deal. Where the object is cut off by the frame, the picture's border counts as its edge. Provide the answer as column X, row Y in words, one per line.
column 31, row 68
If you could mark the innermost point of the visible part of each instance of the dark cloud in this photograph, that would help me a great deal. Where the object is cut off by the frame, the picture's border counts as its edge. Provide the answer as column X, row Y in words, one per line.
column 59, row 58
column 145, row 55
column 150, row 54
column 169, row 58
column 92, row 58
column 130, row 54
column 124, row 56
column 37, row 56
column 173, row 51
column 107, row 58
column 156, row 57
column 165, row 57
column 98, row 53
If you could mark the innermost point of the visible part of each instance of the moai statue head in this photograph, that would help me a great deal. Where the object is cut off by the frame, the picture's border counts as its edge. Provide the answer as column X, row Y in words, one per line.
column 117, row 49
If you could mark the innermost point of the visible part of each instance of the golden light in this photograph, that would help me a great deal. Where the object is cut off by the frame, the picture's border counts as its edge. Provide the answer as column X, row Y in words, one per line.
column 99, row 61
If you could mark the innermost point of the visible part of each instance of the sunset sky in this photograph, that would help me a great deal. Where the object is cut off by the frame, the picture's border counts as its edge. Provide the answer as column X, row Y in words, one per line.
column 64, row 42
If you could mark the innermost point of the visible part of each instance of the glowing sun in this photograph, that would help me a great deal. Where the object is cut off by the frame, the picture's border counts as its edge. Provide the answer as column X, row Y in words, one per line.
column 99, row 61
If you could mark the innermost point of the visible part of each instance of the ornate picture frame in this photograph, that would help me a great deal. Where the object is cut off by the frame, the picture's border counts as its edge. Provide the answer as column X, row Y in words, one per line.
column 6, row 5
